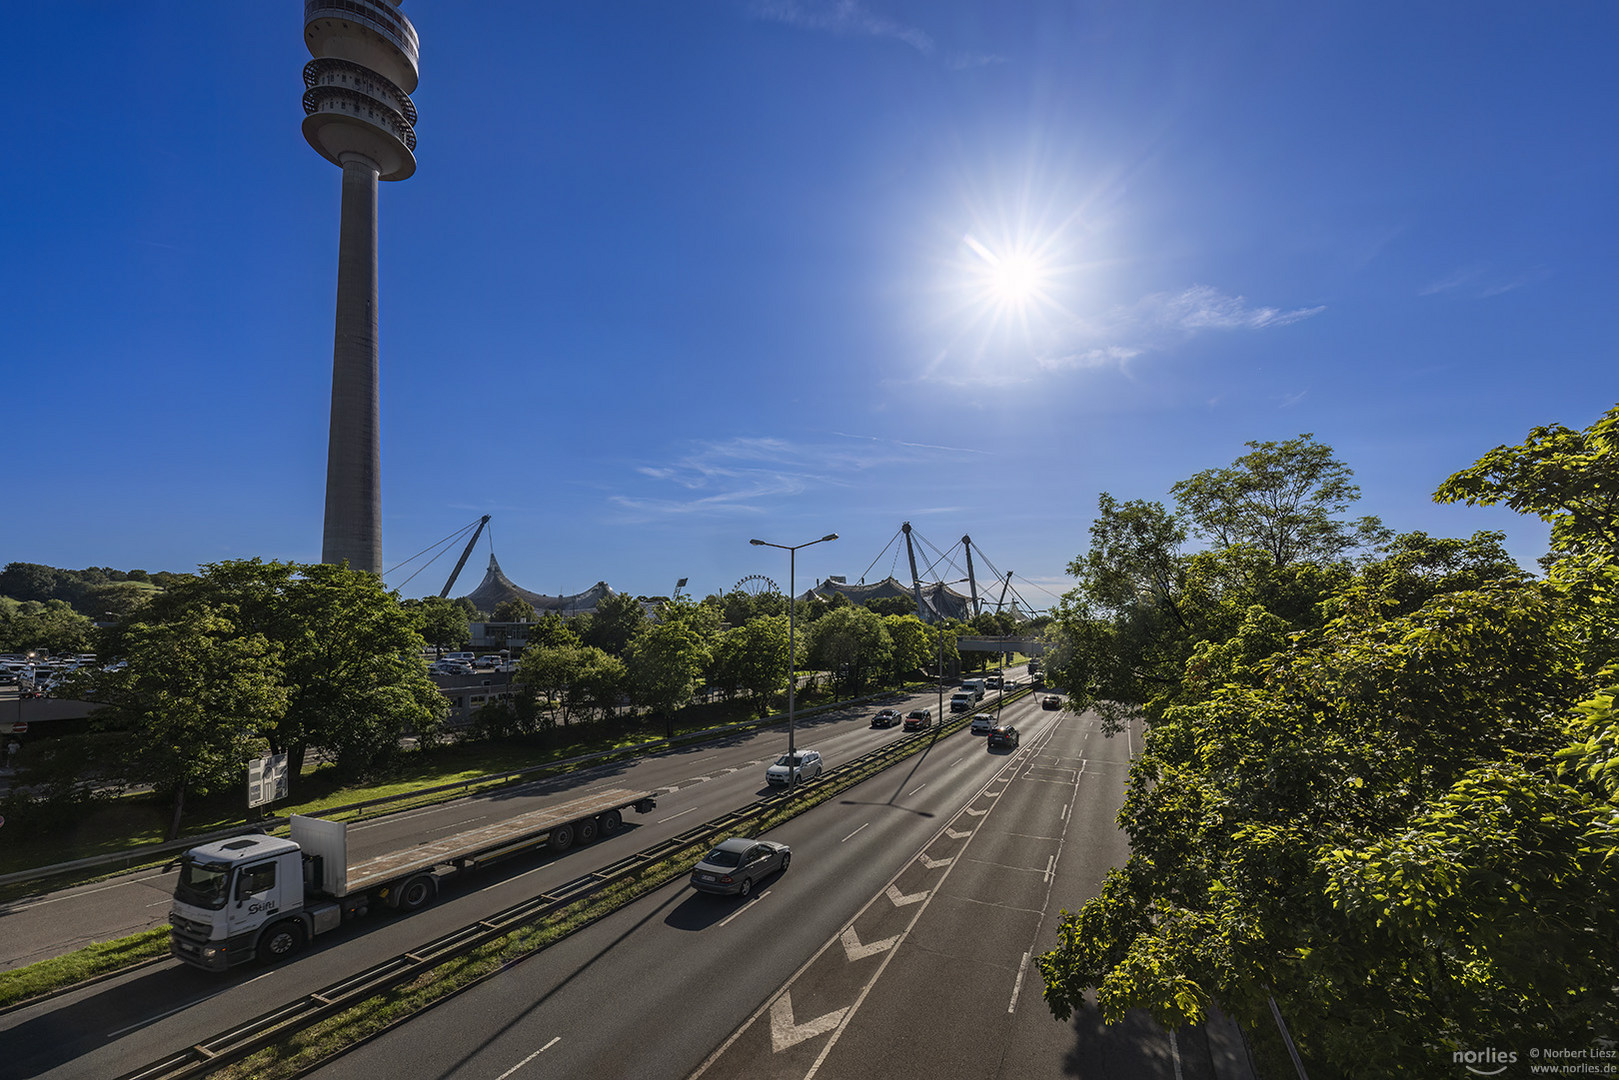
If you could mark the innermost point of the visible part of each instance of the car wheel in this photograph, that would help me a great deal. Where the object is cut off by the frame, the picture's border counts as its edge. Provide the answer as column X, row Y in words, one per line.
column 786, row 859
column 283, row 941
column 746, row 888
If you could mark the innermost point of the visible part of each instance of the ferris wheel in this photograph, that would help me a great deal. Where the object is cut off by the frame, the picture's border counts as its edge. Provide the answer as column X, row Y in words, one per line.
column 756, row 585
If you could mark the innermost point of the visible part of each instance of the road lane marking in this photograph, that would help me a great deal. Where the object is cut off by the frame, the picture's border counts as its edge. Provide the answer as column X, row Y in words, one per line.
column 902, row 899
column 856, row 951
column 530, row 1058
column 1017, row 984
column 785, row 1033
column 934, row 864
column 976, row 813
column 908, row 794
column 744, row 907
column 456, row 824
column 671, row 817
column 1050, row 864
column 954, row 835
column 851, row 835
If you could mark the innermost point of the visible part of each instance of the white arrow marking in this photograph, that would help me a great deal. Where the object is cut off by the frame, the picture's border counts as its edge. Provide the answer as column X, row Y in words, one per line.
column 932, row 864
column 857, row 951
column 992, row 794
column 901, row 899
column 951, row 833
column 977, row 813
column 785, row 1033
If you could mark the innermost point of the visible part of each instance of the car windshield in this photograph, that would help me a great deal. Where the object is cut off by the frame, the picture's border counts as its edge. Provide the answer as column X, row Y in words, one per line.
column 721, row 857
column 202, row 883
column 788, row 759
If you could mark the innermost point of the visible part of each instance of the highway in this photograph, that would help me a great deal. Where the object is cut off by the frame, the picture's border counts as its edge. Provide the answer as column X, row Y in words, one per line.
column 899, row 943
column 100, row 1030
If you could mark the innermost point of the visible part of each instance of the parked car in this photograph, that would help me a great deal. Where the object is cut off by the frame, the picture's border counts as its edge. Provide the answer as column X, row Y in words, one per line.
column 983, row 722
column 1051, row 701
column 488, row 660
column 801, row 764
column 917, row 719
column 737, row 864
column 961, row 701
column 885, row 718
column 1005, row 735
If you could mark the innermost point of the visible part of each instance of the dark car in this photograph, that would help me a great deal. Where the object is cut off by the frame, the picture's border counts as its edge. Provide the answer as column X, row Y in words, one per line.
column 918, row 719
column 737, row 865
column 1050, row 701
column 1005, row 735
column 886, row 718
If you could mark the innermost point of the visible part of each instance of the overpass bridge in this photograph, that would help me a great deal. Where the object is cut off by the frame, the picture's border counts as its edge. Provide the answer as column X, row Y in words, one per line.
column 1009, row 644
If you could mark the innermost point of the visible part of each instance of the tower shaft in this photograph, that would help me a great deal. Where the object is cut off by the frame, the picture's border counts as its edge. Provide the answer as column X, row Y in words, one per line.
column 353, row 529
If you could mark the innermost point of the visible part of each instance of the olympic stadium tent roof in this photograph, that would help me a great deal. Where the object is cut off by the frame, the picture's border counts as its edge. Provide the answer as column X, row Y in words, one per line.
column 496, row 588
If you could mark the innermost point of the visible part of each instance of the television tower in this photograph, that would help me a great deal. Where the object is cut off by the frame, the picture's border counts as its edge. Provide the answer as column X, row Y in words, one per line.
column 358, row 115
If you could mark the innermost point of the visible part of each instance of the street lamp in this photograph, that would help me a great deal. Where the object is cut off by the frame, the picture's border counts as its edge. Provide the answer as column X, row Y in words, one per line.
column 792, row 673
column 939, row 633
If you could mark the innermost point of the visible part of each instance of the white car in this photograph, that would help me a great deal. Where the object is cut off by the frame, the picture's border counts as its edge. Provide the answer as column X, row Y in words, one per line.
column 983, row 722
column 807, row 767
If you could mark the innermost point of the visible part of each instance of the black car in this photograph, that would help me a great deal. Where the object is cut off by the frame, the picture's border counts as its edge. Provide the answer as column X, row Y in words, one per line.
column 919, row 719
column 1005, row 735
column 886, row 718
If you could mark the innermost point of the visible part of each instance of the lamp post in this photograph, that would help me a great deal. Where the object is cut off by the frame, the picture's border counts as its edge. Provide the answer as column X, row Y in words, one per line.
column 939, row 628
column 792, row 673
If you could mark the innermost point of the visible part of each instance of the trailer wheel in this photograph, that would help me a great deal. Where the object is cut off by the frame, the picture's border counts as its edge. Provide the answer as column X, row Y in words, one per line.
column 585, row 830
column 610, row 822
column 281, row 942
column 561, row 838
column 415, row 893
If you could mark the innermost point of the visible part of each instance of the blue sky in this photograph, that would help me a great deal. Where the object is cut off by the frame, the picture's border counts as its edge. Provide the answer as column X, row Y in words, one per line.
column 671, row 275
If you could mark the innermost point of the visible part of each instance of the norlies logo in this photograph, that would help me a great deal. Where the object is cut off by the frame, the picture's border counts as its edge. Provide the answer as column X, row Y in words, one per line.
column 1488, row 1056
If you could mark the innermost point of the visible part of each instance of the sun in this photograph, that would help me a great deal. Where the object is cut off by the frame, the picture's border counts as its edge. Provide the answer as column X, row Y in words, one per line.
column 1009, row 281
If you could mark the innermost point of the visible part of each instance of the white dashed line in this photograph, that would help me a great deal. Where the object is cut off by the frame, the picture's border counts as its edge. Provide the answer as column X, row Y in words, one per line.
column 530, row 1058
column 852, row 834
column 1017, row 985
column 671, row 817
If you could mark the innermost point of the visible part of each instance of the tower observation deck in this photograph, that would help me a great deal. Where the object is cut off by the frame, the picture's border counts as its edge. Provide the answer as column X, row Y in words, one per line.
column 358, row 115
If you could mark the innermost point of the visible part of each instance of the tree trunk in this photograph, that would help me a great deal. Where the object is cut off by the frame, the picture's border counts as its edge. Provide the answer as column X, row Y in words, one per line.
column 179, row 808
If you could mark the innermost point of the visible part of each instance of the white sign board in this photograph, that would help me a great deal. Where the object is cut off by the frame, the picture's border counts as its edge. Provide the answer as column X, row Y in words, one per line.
column 266, row 780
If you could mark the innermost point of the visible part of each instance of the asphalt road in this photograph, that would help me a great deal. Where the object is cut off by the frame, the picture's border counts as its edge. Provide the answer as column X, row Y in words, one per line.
column 898, row 944
column 106, row 1029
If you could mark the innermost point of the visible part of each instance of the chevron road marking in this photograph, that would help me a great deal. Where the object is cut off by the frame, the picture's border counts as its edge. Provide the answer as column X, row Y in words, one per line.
column 856, row 951
column 785, row 1033
column 934, row 864
column 977, row 813
column 901, row 899
column 951, row 833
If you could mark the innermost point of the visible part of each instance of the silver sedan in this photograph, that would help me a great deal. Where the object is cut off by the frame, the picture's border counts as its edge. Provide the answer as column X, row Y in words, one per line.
column 737, row 864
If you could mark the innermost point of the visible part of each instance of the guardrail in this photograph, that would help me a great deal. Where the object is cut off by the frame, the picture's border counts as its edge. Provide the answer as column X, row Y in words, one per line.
column 268, row 1027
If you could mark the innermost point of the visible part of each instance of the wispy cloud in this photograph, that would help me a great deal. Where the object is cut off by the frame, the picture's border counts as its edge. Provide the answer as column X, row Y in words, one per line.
column 845, row 17
column 1114, row 338
column 749, row 475
column 1480, row 281
column 1203, row 307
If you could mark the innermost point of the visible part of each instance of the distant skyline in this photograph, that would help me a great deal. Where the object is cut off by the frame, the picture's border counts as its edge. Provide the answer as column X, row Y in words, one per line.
column 671, row 276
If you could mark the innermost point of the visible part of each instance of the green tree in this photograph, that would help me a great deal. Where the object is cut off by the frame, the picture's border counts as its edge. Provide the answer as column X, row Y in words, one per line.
column 1284, row 498
column 51, row 625
column 572, row 680
column 350, row 655
column 752, row 658
column 616, row 621
column 514, row 610
column 1401, row 822
column 197, row 700
column 852, row 643
column 444, row 622
column 663, row 663
column 914, row 647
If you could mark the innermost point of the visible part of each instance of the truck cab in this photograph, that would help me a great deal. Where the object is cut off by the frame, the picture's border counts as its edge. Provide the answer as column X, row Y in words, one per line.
column 237, row 899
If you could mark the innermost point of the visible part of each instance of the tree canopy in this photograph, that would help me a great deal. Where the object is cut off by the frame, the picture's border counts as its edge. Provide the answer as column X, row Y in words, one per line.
column 1384, row 794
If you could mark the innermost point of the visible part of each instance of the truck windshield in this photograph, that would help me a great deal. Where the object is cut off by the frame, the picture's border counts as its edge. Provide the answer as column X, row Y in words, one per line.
column 202, row 883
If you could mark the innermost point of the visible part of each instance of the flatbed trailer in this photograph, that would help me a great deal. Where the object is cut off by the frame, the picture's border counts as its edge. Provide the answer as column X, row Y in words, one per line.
column 264, row 897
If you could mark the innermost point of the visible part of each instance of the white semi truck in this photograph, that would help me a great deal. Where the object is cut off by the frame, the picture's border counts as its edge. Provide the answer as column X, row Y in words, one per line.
column 266, row 896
